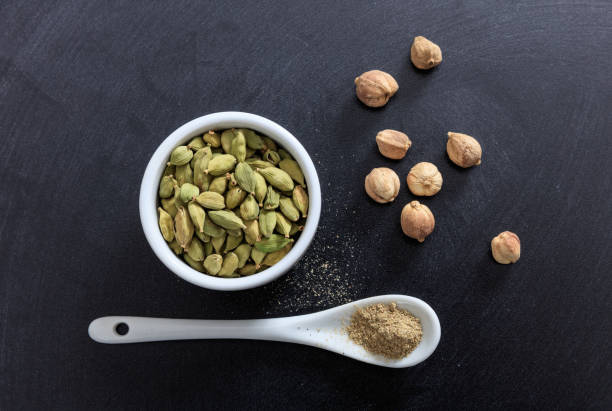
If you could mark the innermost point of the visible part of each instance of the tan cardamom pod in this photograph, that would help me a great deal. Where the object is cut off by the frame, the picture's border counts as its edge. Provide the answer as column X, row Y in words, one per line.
column 166, row 225
column 393, row 144
column 211, row 200
column 463, row 150
column 289, row 209
column 293, row 169
column 183, row 228
column 374, row 88
column 230, row 265
column 251, row 232
column 213, row 263
column 424, row 179
column 424, row 53
column 300, row 199
column 417, row 221
column 234, row 197
column 197, row 214
column 226, row 219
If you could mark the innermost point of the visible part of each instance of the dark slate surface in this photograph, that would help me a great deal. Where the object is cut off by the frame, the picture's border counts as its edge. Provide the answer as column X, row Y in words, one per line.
column 89, row 89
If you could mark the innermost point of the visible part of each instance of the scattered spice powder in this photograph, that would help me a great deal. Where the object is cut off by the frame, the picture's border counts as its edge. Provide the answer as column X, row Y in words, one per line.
column 385, row 329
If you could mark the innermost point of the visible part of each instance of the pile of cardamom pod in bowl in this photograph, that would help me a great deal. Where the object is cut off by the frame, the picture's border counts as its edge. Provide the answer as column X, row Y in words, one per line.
column 234, row 207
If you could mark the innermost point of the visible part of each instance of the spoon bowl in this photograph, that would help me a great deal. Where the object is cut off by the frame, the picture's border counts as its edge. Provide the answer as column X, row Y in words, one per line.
column 324, row 329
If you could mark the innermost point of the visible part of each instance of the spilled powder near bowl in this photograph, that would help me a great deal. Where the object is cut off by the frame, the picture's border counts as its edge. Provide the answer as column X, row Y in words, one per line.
column 385, row 329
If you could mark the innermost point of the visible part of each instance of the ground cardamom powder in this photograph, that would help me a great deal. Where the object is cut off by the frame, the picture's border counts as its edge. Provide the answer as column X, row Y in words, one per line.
column 385, row 329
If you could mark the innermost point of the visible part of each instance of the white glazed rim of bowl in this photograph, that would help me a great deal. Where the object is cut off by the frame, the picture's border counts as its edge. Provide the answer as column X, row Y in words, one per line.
column 150, row 184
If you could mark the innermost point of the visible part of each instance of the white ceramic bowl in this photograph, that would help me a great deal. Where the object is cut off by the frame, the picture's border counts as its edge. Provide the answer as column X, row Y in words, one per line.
column 219, row 121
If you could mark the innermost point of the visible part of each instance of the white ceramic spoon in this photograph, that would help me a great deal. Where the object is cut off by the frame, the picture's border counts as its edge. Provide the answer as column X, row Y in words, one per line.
column 324, row 329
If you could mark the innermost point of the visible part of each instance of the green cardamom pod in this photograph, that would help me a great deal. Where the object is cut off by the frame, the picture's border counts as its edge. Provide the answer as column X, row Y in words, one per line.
column 181, row 156
column 218, row 185
column 226, row 139
column 243, row 251
column 257, row 256
column 188, row 192
column 256, row 163
column 197, row 214
column 300, row 199
column 274, row 243
column 248, row 269
column 226, row 219
column 292, row 168
column 169, row 170
column 174, row 246
column 212, row 138
column 183, row 228
column 238, row 146
column 211, row 200
column 230, row 264
column 249, row 152
column 267, row 222
column 249, row 210
column 272, row 157
column 169, row 205
column 199, row 163
column 245, row 177
column 213, row 263
column 278, row 178
column 253, row 141
column 184, row 174
column 218, row 242
column 208, row 248
column 231, row 178
column 251, row 232
column 232, row 242
column 221, row 164
column 234, row 233
column 234, row 197
column 284, row 154
column 272, row 199
column 205, row 238
column 212, row 229
column 270, row 144
column 196, row 143
column 274, row 257
column 166, row 225
column 261, row 188
column 166, row 187
column 196, row 265
column 196, row 250
column 283, row 225
column 289, row 209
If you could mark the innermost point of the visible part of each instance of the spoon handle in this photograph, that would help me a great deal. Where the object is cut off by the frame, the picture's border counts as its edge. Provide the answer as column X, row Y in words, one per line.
column 123, row 329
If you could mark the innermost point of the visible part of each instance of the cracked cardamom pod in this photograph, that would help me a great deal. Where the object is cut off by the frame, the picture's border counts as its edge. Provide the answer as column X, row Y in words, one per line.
column 272, row 156
column 272, row 199
column 166, row 225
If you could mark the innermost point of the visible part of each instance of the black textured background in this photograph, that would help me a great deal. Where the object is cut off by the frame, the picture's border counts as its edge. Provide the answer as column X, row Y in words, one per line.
column 89, row 89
